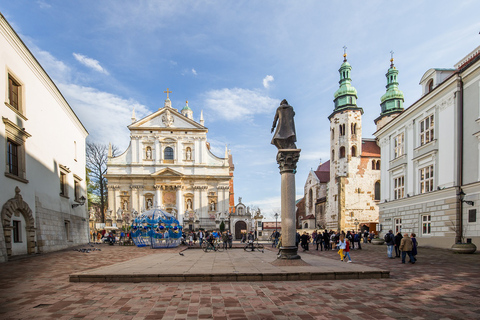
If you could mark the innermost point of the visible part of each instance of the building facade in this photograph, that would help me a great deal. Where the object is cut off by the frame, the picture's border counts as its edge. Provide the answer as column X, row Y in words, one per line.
column 431, row 160
column 315, row 195
column 43, row 147
column 169, row 164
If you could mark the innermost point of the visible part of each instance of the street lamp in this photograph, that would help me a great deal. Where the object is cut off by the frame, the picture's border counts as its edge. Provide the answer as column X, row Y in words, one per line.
column 461, row 196
column 80, row 201
column 356, row 225
column 276, row 217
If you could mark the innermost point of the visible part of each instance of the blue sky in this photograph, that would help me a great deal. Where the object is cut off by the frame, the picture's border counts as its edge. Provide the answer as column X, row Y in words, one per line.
column 236, row 60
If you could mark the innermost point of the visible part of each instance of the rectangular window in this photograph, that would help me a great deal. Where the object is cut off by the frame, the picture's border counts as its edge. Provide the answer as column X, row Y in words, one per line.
column 12, row 157
column 63, row 184
column 13, row 93
column 398, row 225
column 426, row 224
column 399, row 187
column 17, row 236
column 398, row 145
column 472, row 215
column 76, row 189
column 426, row 130
column 426, row 179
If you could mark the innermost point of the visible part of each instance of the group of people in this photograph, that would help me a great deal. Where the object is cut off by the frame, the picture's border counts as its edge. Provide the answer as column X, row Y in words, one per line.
column 404, row 245
column 210, row 236
column 329, row 240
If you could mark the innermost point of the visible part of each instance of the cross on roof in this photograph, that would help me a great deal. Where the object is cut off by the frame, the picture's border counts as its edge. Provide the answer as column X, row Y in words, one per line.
column 344, row 53
column 167, row 92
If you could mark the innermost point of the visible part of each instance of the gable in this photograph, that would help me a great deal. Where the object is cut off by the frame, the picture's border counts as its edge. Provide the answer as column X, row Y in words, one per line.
column 167, row 172
column 166, row 118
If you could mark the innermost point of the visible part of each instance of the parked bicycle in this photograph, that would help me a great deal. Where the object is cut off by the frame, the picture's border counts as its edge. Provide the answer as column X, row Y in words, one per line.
column 207, row 246
column 253, row 245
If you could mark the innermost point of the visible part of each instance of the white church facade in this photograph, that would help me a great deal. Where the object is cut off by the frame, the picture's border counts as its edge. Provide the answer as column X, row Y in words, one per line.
column 169, row 165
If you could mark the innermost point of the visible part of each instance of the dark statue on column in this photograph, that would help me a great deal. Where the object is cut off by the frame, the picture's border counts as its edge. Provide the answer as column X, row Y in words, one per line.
column 285, row 136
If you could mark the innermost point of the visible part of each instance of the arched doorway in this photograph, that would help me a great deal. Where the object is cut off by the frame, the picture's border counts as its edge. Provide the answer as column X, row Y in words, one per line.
column 18, row 226
column 239, row 226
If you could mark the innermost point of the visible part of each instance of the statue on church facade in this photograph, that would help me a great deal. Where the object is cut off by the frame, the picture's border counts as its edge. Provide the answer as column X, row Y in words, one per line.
column 285, row 136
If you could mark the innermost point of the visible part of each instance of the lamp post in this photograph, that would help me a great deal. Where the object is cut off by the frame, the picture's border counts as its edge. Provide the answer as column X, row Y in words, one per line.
column 276, row 217
column 356, row 225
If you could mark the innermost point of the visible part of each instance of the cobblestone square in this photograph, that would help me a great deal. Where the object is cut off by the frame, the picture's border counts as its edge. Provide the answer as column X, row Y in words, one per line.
column 441, row 285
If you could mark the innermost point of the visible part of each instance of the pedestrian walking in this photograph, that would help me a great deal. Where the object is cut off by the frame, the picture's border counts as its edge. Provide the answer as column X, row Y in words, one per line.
column 398, row 239
column 346, row 251
column 415, row 244
column 406, row 246
column 390, row 241
column 341, row 246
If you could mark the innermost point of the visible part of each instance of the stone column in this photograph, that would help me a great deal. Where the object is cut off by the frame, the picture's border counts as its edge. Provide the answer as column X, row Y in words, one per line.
column 287, row 163
column 158, row 196
column 133, row 198
column 111, row 197
column 180, row 209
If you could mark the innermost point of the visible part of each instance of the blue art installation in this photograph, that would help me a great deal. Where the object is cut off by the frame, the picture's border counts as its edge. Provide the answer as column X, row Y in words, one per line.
column 157, row 229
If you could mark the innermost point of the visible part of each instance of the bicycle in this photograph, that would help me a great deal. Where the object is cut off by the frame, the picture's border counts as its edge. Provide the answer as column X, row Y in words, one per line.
column 207, row 246
column 251, row 244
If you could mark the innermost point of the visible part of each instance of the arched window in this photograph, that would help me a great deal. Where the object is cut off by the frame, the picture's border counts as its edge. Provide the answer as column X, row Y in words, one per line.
column 305, row 226
column 354, row 128
column 373, row 164
column 333, row 133
column 429, row 85
column 333, row 155
column 168, row 153
column 342, row 152
column 377, row 165
column 377, row 190
column 354, row 151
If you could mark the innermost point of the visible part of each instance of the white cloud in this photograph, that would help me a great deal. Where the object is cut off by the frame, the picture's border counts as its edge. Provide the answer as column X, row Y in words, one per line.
column 194, row 71
column 237, row 103
column 267, row 80
column 105, row 115
column 90, row 63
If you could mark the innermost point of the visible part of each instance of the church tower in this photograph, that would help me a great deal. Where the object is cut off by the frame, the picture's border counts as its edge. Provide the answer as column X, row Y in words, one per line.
column 392, row 100
column 345, row 146
column 345, row 124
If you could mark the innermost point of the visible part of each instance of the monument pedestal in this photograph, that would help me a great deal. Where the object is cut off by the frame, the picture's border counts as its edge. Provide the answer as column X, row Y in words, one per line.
column 287, row 163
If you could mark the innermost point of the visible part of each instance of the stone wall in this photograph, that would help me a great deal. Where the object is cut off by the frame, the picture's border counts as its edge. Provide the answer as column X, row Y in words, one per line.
column 52, row 233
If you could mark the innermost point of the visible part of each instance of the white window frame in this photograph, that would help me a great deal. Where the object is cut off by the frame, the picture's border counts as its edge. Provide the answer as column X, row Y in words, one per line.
column 426, row 179
column 426, row 225
column 426, row 129
column 399, row 145
column 399, row 187
column 397, row 225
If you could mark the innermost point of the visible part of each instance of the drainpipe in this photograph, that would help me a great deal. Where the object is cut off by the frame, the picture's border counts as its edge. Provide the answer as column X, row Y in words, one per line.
column 459, row 102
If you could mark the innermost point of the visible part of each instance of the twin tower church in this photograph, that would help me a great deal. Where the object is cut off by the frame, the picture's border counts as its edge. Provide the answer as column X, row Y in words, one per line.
column 344, row 192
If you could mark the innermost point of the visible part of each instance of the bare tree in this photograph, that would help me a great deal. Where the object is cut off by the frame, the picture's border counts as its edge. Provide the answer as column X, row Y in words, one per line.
column 97, row 156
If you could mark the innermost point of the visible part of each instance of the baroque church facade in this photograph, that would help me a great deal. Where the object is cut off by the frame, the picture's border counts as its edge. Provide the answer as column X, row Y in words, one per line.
column 343, row 193
column 169, row 165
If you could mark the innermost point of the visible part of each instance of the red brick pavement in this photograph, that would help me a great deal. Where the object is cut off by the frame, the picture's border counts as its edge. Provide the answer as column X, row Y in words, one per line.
column 441, row 285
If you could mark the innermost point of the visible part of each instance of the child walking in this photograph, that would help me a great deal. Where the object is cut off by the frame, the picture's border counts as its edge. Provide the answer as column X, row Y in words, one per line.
column 346, row 251
column 341, row 246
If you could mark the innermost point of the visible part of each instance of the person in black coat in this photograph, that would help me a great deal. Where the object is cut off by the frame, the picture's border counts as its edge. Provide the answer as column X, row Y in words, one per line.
column 398, row 239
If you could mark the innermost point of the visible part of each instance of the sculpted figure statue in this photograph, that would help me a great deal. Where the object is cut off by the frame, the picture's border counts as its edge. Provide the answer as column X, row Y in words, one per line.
column 285, row 136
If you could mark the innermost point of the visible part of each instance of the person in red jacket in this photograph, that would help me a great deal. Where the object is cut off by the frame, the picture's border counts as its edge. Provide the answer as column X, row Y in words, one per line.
column 346, row 252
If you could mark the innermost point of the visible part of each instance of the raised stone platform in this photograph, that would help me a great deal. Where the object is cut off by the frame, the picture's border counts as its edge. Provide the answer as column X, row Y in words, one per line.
column 230, row 265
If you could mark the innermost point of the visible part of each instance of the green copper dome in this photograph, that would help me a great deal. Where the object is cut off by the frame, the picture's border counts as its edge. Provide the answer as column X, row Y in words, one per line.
column 186, row 107
column 392, row 100
column 346, row 95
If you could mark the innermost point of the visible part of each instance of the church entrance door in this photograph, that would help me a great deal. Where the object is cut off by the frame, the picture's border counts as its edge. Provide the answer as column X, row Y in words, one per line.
column 240, row 227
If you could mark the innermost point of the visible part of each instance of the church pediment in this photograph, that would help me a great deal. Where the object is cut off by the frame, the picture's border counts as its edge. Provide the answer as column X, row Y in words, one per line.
column 167, row 172
column 167, row 118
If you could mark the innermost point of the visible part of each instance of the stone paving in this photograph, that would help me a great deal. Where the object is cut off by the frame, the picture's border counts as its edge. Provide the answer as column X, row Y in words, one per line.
column 230, row 265
column 441, row 285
